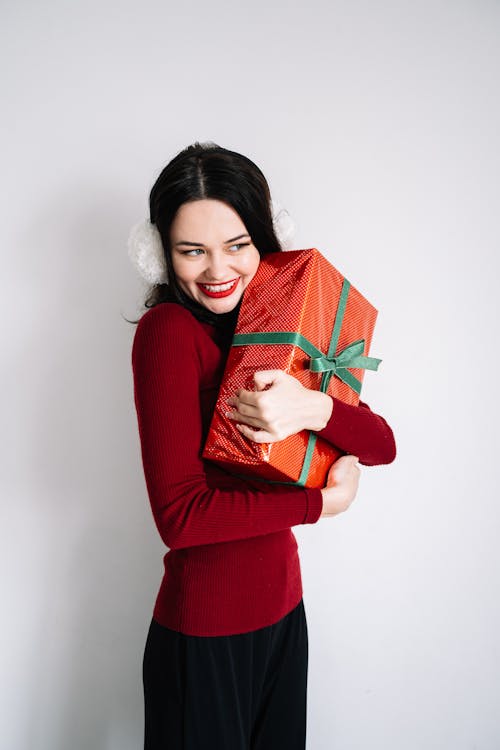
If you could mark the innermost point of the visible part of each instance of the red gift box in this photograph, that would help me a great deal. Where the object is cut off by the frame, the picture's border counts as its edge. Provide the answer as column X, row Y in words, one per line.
column 301, row 315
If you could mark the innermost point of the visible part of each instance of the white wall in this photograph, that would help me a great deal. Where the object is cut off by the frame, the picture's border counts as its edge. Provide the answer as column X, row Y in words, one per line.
column 377, row 127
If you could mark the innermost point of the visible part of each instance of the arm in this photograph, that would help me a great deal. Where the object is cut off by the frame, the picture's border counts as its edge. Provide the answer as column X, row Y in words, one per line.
column 359, row 431
column 269, row 414
column 166, row 367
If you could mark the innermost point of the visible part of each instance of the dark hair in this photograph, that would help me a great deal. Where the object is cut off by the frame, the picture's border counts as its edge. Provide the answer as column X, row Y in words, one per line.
column 206, row 170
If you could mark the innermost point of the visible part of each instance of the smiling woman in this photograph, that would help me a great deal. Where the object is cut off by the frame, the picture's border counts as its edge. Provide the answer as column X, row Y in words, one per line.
column 214, row 273
column 226, row 656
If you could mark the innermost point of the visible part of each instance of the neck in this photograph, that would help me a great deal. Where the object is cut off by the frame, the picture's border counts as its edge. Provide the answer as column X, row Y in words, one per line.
column 219, row 320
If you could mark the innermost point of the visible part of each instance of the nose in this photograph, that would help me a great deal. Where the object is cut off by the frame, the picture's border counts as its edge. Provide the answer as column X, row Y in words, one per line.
column 217, row 268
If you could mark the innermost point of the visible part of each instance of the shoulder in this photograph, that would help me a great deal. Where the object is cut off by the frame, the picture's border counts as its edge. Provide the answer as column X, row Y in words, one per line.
column 166, row 324
column 166, row 313
column 165, row 317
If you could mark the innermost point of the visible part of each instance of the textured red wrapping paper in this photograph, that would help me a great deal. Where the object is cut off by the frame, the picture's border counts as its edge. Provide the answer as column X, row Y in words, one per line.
column 293, row 292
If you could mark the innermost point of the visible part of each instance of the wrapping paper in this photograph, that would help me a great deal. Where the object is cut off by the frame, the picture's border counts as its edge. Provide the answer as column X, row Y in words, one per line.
column 301, row 315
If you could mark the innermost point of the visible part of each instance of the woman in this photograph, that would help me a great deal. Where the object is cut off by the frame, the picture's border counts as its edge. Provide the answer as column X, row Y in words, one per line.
column 225, row 662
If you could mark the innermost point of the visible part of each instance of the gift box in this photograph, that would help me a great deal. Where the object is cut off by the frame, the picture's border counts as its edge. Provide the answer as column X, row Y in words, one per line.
column 301, row 315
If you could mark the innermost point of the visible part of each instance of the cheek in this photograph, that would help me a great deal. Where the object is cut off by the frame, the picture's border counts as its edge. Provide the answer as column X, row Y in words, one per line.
column 250, row 264
column 175, row 266
column 182, row 270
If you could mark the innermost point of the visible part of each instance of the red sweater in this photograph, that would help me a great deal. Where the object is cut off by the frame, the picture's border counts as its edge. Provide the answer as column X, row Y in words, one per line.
column 233, row 563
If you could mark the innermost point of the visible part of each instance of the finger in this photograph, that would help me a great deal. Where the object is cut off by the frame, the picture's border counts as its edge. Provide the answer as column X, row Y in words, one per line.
column 241, row 407
column 247, row 409
column 260, row 436
column 237, row 416
column 251, row 398
column 263, row 378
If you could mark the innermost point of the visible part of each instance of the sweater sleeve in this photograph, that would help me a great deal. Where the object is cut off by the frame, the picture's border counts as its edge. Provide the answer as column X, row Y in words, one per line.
column 188, row 510
column 359, row 431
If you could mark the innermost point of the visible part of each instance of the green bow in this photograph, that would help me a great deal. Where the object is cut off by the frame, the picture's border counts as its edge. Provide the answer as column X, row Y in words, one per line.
column 351, row 356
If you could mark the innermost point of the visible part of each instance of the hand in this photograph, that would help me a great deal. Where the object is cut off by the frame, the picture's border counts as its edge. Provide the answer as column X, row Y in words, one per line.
column 267, row 415
column 341, row 485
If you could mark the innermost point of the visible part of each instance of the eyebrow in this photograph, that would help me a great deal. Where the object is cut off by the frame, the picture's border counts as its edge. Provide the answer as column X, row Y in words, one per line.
column 200, row 244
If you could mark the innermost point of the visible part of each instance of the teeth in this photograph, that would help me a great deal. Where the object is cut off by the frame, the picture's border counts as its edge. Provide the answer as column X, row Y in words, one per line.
column 219, row 287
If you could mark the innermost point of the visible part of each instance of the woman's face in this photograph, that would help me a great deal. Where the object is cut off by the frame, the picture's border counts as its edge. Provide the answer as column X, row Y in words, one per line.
column 213, row 256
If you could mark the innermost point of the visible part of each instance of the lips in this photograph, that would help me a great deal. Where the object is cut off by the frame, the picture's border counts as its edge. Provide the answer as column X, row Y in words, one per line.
column 219, row 290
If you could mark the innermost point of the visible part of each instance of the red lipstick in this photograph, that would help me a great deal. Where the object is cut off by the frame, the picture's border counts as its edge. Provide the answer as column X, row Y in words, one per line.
column 212, row 291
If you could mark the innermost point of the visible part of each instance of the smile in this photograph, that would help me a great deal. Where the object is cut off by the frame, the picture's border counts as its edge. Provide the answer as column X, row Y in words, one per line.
column 218, row 290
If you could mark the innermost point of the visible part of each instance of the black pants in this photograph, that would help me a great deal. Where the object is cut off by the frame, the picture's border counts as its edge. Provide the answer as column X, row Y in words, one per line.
column 233, row 692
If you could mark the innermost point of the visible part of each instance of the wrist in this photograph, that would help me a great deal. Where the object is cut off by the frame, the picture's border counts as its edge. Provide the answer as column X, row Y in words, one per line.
column 321, row 411
column 332, row 498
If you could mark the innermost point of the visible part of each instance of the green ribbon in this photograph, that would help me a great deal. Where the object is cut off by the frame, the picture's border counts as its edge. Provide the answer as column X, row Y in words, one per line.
column 329, row 364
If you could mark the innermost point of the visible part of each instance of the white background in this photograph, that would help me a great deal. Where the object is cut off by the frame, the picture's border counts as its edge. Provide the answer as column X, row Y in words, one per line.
column 377, row 126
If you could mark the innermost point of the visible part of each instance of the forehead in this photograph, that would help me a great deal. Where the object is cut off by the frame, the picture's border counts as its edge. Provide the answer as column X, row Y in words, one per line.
column 208, row 216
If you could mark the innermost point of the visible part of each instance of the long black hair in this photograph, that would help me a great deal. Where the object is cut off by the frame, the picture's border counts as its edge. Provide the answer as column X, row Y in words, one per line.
column 206, row 170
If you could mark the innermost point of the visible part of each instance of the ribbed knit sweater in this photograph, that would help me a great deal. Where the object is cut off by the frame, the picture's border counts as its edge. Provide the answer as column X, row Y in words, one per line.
column 232, row 564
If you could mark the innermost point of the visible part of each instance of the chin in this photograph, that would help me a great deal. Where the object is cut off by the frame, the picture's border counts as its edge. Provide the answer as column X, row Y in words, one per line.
column 220, row 306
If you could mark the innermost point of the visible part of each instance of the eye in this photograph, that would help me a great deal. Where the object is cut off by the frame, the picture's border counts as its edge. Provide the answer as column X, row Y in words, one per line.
column 198, row 250
column 242, row 244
